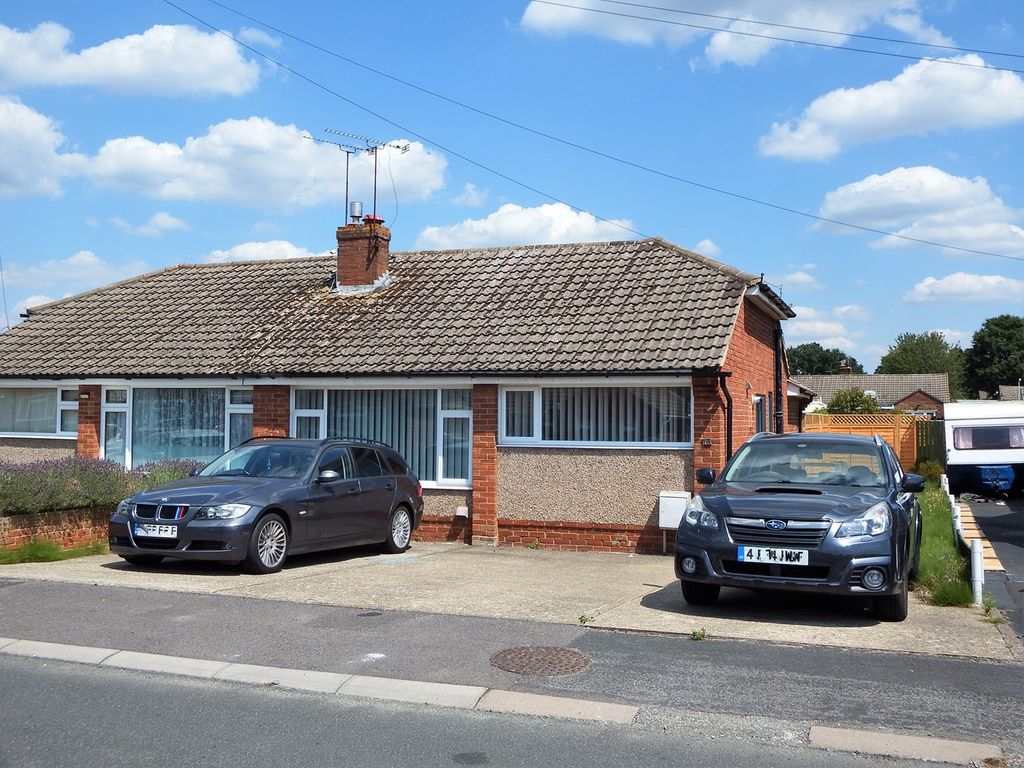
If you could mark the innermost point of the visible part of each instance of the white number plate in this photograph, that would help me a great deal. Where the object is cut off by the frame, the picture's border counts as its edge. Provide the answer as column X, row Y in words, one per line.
column 772, row 555
column 156, row 531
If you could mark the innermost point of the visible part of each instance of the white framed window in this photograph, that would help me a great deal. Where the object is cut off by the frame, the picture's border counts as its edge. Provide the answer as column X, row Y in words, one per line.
column 599, row 415
column 432, row 428
column 143, row 424
column 34, row 411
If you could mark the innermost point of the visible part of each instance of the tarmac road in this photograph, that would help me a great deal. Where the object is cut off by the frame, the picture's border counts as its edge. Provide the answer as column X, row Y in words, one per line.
column 1003, row 526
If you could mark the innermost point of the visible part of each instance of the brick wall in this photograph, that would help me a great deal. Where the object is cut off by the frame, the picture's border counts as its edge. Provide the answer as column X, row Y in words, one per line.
column 68, row 529
column 920, row 401
column 484, row 505
column 441, row 528
column 89, row 420
column 584, row 537
column 271, row 414
column 362, row 253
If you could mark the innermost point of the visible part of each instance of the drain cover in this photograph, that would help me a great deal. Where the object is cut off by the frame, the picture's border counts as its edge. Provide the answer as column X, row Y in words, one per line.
column 540, row 661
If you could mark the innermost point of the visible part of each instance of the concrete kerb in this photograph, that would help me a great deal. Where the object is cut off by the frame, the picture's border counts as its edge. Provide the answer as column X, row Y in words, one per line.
column 903, row 746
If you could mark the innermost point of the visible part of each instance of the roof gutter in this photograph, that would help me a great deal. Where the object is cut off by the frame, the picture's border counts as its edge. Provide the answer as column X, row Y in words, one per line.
column 770, row 301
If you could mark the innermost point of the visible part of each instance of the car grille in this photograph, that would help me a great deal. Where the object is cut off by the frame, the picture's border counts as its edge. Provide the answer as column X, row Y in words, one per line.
column 161, row 511
column 809, row 572
column 149, row 542
column 797, row 533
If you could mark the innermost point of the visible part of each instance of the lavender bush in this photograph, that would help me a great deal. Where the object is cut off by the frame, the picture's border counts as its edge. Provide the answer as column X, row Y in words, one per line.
column 76, row 482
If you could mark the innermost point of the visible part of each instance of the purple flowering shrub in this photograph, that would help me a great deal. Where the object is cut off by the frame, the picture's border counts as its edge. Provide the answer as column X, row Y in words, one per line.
column 76, row 482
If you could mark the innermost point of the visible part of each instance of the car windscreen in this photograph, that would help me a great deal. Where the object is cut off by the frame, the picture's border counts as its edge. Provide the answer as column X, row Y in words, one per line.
column 263, row 460
column 808, row 463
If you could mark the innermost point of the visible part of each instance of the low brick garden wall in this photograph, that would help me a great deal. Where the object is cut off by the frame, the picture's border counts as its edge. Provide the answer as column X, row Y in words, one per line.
column 67, row 529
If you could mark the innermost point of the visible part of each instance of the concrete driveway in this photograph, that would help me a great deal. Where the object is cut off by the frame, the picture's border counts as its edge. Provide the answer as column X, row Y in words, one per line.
column 610, row 591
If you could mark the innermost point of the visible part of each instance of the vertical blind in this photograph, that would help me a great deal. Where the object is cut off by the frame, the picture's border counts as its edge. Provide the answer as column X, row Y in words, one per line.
column 405, row 419
column 177, row 424
column 28, row 409
column 614, row 414
column 519, row 413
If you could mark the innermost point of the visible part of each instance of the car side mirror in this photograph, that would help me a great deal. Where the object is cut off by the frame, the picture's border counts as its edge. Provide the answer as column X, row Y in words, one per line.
column 194, row 472
column 912, row 483
column 706, row 476
column 328, row 476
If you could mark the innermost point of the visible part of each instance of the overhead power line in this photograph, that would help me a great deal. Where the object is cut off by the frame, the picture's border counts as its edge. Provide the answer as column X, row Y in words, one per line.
column 816, row 30
column 816, row 44
column 566, row 142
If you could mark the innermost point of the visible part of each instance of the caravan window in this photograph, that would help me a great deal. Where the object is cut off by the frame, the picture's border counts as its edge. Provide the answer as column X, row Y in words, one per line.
column 987, row 438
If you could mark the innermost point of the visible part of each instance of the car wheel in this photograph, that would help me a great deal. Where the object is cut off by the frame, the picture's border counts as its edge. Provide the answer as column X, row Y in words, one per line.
column 143, row 560
column 696, row 593
column 892, row 607
column 268, row 545
column 399, row 531
column 915, row 567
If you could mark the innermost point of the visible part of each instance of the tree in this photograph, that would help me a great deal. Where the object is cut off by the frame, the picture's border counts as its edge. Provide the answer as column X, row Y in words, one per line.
column 996, row 354
column 926, row 353
column 812, row 358
column 852, row 400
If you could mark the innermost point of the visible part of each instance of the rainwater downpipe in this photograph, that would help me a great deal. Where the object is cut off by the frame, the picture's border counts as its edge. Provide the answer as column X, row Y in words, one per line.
column 780, row 403
column 728, row 414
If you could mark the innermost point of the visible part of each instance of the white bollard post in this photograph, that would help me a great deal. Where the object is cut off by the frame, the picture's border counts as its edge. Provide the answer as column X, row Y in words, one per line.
column 977, row 570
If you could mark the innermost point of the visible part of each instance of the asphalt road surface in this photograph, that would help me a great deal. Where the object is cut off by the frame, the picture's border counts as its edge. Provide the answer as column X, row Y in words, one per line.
column 927, row 695
column 1003, row 526
column 57, row 714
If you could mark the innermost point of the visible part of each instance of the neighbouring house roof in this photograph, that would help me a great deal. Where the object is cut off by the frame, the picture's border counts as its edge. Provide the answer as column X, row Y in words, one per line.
column 1011, row 392
column 889, row 388
column 637, row 306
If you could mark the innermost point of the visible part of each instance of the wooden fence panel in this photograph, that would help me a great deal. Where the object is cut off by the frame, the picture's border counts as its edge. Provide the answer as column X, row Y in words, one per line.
column 931, row 441
column 897, row 429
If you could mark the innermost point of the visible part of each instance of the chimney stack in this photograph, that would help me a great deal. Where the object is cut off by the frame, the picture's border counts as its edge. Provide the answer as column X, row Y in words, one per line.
column 363, row 251
column 844, row 367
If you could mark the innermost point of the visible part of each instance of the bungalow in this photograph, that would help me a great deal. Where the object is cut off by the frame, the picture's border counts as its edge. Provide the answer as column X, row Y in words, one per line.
column 544, row 392
column 924, row 393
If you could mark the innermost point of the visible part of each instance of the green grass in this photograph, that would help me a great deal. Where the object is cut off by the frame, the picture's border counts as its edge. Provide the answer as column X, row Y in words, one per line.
column 40, row 551
column 943, row 577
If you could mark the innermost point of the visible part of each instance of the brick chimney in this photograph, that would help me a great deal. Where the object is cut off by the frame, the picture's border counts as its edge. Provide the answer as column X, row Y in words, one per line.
column 844, row 367
column 363, row 251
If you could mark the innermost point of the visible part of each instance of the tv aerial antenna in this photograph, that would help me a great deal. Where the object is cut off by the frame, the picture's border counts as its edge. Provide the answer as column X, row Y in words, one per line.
column 349, row 150
column 373, row 146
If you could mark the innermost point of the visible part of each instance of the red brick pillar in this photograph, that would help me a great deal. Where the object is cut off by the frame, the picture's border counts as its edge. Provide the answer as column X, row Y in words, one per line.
column 708, row 426
column 88, row 421
column 271, row 410
column 484, row 510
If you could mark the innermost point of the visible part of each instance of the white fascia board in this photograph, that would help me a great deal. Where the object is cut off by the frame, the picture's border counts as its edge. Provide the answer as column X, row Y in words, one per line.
column 753, row 292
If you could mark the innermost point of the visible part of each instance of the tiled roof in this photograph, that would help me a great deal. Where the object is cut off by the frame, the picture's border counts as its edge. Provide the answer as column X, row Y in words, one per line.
column 634, row 306
column 889, row 388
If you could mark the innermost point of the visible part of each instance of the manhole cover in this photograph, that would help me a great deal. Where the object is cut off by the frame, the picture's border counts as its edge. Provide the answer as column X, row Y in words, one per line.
column 540, row 661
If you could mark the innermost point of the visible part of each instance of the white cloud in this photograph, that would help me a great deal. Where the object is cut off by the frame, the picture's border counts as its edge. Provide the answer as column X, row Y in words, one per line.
column 262, row 251
column 927, row 96
column 708, row 247
column 964, row 287
column 14, row 314
column 32, row 163
column 256, row 162
column 164, row 60
column 255, row 36
column 954, row 337
column 854, row 312
column 514, row 225
column 837, row 15
column 79, row 272
column 797, row 280
column 927, row 203
column 158, row 224
column 808, row 313
column 471, row 196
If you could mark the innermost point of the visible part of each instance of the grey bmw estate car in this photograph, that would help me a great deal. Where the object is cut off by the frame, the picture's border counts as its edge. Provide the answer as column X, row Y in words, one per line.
column 808, row 512
column 273, row 497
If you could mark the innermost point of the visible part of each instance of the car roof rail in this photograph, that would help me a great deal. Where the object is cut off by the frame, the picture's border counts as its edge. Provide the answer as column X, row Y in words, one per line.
column 362, row 440
column 263, row 437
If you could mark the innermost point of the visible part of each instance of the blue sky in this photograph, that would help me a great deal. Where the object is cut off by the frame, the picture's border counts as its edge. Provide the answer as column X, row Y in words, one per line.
column 133, row 138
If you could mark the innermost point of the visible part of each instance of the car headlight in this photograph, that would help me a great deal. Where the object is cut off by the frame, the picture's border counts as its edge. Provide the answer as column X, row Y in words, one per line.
column 125, row 508
column 875, row 521
column 222, row 512
column 697, row 514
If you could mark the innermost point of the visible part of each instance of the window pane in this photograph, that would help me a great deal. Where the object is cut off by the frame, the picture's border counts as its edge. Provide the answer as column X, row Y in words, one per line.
column 309, row 399
column 616, row 414
column 32, row 410
column 117, row 395
column 405, row 419
column 69, row 420
column 456, row 399
column 519, row 414
column 69, row 395
column 241, row 396
column 337, row 460
column 115, row 423
column 240, row 428
column 177, row 424
column 456, row 445
column 367, row 463
column 307, row 427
